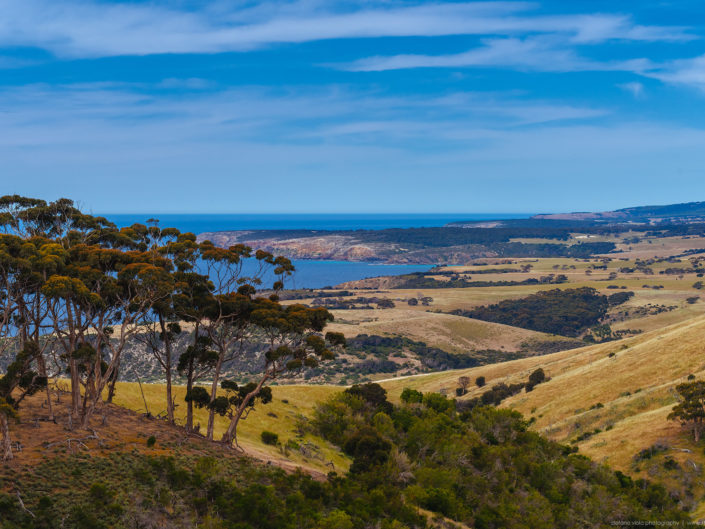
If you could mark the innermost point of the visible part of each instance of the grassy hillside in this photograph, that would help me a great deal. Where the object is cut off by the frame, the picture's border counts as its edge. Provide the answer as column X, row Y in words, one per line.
column 448, row 332
column 289, row 405
column 623, row 389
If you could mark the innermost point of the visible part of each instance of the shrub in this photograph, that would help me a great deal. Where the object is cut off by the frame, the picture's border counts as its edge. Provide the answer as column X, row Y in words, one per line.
column 480, row 382
column 535, row 378
column 438, row 402
column 411, row 395
column 373, row 394
column 269, row 438
column 151, row 441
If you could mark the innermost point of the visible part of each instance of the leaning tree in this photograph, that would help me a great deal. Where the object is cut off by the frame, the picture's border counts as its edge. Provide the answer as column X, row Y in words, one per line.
column 293, row 334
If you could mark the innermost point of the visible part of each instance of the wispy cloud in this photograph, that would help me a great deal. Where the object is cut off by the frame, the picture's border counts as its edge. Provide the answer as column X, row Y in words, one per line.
column 538, row 54
column 686, row 72
column 266, row 143
column 78, row 115
column 635, row 88
column 86, row 28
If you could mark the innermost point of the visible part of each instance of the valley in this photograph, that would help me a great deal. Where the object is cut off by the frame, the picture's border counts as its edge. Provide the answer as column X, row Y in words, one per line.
column 574, row 356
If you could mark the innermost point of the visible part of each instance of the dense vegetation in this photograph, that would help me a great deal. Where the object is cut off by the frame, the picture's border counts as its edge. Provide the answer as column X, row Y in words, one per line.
column 566, row 312
column 131, row 490
column 481, row 466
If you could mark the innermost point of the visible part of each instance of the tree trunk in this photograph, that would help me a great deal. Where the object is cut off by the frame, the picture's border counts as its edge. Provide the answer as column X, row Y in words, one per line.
column 230, row 434
column 167, row 370
column 113, row 381
column 75, row 388
column 189, row 404
column 189, row 383
column 214, row 393
column 41, row 363
column 6, row 442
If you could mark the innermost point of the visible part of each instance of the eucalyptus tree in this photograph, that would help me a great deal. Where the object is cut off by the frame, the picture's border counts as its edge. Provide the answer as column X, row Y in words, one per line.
column 129, row 284
column 226, row 316
column 294, row 341
column 196, row 362
column 46, row 232
column 161, row 324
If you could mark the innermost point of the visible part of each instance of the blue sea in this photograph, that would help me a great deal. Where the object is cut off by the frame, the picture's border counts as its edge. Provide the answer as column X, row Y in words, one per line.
column 315, row 274
column 199, row 223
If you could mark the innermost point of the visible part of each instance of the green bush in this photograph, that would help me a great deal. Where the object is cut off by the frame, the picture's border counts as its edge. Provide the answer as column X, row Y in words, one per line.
column 411, row 396
column 269, row 438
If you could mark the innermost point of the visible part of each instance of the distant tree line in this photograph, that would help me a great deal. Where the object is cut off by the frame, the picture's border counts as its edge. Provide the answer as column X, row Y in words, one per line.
column 425, row 280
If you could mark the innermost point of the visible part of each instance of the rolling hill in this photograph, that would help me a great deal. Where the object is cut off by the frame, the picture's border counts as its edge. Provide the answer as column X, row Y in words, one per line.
column 611, row 400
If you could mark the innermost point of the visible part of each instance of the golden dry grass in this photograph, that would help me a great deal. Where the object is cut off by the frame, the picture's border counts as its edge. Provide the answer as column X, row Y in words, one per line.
column 455, row 334
column 659, row 247
column 278, row 416
column 648, row 367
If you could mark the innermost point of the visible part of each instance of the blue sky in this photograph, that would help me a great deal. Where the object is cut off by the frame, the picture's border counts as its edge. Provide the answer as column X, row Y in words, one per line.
column 236, row 106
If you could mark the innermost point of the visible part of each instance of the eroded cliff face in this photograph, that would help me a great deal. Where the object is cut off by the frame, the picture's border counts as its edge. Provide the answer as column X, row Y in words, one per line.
column 324, row 247
column 328, row 247
column 340, row 247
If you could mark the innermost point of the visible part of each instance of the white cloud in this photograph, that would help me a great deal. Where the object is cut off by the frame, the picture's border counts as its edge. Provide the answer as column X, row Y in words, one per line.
column 687, row 72
column 74, row 117
column 84, row 28
column 538, row 54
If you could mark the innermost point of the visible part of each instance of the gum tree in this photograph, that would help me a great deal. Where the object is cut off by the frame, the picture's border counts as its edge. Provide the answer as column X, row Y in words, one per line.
column 294, row 341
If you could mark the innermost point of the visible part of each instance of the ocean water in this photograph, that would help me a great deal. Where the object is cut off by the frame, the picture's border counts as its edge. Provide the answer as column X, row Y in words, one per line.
column 199, row 223
column 319, row 274
column 309, row 273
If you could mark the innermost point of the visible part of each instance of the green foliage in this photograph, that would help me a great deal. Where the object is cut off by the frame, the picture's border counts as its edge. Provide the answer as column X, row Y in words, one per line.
column 691, row 410
column 187, row 491
column 438, row 402
column 409, row 395
column 374, row 395
column 19, row 375
column 269, row 438
column 367, row 448
column 151, row 441
column 483, row 467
